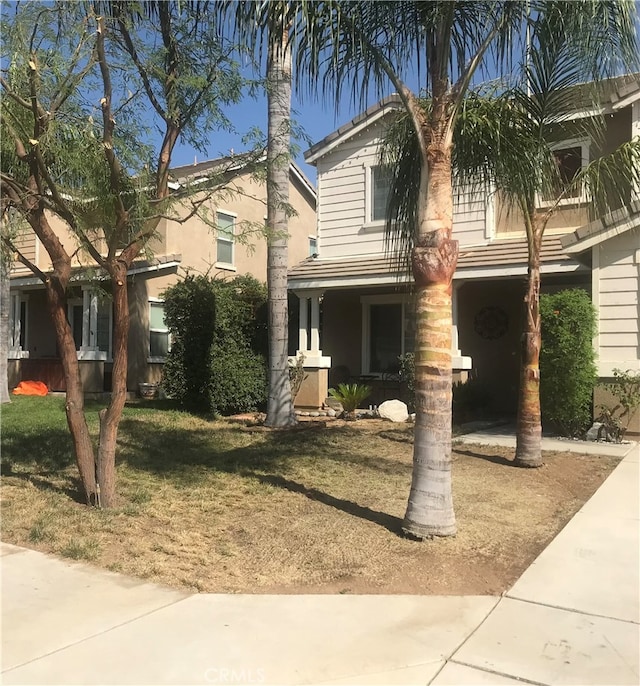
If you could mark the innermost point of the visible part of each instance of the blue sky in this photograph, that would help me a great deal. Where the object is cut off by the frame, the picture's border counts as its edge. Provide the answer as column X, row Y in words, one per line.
column 317, row 120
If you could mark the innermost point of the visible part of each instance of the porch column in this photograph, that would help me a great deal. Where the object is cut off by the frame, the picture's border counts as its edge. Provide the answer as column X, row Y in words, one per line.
column 458, row 360
column 315, row 325
column 314, row 389
column 89, row 319
column 455, row 349
column 14, row 322
column 303, row 324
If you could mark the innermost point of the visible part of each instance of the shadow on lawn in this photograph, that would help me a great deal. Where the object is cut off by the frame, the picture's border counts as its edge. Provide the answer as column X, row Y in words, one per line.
column 38, row 452
column 179, row 453
column 167, row 450
column 389, row 522
column 494, row 459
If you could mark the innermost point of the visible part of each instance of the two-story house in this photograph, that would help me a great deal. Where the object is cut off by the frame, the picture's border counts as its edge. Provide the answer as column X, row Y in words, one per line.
column 356, row 310
column 233, row 247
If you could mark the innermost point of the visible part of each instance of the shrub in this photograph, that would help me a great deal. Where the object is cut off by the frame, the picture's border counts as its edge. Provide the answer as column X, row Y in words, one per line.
column 625, row 388
column 219, row 340
column 238, row 379
column 297, row 375
column 408, row 378
column 190, row 316
column 567, row 365
column 350, row 396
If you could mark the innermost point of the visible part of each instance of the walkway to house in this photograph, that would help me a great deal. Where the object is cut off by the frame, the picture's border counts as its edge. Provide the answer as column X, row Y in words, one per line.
column 572, row 618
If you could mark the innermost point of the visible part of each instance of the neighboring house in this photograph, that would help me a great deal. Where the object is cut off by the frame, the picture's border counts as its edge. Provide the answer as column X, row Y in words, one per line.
column 360, row 317
column 235, row 247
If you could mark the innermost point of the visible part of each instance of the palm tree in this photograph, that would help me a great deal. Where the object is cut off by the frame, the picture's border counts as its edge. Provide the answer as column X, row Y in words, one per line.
column 565, row 51
column 377, row 43
column 509, row 140
column 257, row 23
column 279, row 403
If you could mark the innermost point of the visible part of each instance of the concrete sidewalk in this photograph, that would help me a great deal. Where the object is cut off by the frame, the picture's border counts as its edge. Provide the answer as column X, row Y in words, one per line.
column 572, row 618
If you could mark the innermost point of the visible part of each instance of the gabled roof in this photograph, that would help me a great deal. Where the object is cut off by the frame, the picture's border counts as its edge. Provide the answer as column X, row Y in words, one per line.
column 239, row 163
column 362, row 121
column 614, row 94
column 496, row 259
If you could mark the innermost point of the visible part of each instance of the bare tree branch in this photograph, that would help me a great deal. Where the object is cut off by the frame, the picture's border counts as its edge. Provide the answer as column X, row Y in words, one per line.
column 131, row 50
column 122, row 216
column 25, row 260
column 13, row 95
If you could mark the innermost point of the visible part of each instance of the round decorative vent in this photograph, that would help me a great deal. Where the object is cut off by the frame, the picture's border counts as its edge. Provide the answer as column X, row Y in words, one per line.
column 491, row 323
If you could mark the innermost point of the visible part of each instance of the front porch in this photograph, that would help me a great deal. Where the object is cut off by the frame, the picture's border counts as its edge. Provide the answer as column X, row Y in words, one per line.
column 355, row 335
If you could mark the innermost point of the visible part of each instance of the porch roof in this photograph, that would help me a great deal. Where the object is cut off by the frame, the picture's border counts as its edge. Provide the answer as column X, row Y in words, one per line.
column 160, row 264
column 495, row 259
column 612, row 224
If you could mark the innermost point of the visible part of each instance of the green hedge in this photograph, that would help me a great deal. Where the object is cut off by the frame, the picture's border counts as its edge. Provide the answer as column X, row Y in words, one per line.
column 567, row 360
column 217, row 361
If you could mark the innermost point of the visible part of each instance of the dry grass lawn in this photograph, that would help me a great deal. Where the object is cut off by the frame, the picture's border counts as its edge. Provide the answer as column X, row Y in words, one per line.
column 212, row 506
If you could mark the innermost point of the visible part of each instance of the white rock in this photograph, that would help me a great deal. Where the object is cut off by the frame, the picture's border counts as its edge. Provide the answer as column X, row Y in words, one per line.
column 592, row 434
column 331, row 412
column 394, row 410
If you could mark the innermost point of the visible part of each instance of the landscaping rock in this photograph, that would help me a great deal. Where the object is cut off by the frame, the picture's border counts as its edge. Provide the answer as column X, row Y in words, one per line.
column 331, row 412
column 394, row 410
column 597, row 432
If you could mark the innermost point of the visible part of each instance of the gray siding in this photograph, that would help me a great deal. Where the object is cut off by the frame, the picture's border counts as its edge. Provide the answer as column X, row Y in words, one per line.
column 342, row 190
column 618, row 284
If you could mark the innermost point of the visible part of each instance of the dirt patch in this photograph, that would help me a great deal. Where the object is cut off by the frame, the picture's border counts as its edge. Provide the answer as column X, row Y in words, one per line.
column 210, row 507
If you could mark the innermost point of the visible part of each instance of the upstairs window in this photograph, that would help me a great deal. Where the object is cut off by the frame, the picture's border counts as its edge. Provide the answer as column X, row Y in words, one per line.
column 571, row 157
column 225, row 238
column 313, row 246
column 379, row 188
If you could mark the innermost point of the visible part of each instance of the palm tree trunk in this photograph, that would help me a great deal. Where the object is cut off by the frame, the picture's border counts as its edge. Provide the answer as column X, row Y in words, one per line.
column 430, row 508
column 279, row 404
column 5, row 304
column 529, row 427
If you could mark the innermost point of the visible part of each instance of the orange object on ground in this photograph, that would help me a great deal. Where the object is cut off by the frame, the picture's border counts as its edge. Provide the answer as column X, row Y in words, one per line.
column 31, row 388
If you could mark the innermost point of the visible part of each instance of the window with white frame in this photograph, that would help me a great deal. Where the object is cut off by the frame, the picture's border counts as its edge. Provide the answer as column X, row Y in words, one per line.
column 313, row 246
column 159, row 342
column 388, row 326
column 17, row 323
column 225, row 224
column 570, row 157
column 378, row 188
column 91, row 322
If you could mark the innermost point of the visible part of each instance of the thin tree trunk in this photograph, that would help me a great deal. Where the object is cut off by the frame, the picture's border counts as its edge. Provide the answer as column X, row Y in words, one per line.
column 110, row 417
column 430, row 508
column 279, row 404
column 5, row 304
column 74, row 405
column 529, row 427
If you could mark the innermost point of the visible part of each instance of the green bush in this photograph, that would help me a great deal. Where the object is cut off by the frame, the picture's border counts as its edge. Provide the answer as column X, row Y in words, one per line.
column 238, row 379
column 408, row 378
column 219, row 341
column 190, row 316
column 567, row 364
